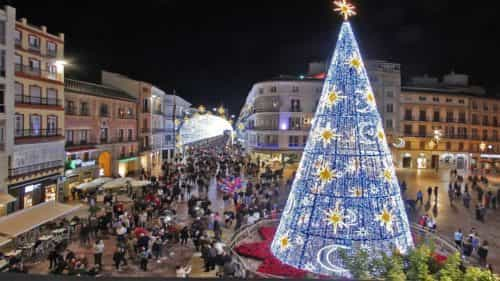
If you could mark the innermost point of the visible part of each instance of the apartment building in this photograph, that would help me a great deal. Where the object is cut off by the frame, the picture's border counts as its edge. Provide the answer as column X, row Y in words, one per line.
column 101, row 132
column 175, row 109
column 7, row 26
column 37, row 161
column 150, row 118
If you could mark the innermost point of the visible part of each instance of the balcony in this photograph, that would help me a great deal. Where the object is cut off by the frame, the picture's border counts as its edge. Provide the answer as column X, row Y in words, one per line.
column 32, row 100
column 34, row 48
column 37, row 72
column 51, row 53
column 36, row 168
column 38, row 133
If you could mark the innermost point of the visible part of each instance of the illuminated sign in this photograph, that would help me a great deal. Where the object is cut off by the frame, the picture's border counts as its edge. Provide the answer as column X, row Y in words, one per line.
column 31, row 187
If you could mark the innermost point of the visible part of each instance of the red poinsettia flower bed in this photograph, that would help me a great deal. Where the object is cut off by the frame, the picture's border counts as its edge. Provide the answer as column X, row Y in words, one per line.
column 262, row 251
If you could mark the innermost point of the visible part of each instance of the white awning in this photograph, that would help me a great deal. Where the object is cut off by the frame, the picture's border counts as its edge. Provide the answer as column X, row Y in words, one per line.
column 25, row 220
column 94, row 184
column 122, row 182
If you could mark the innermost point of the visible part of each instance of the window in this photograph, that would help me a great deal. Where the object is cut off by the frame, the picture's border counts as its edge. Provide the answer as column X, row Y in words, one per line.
column 19, row 125
column 389, row 93
column 295, row 105
column 34, row 42
column 422, row 116
column 104, row 110
column 461, row 117
column 2, row 98
column 51, row 48
column 34, row 65
column 448, row 146
column 51, row 125
column 273, row 89
column 145, row 105
column 475, row 133
column 435, row 99
column 69, row 137
column 84, row 109
column 421, row 130
column 485, row 107
column 485, row 134
column 408, row 114
column 485, row 120
column 389, row 108
column 449, row 100
column 84, row 134
column 19, row 91
column 293, row 141
column 2, row 63
column 121, row 113
column 408, row 130
column 52, row 71
column 18, row 37
column 51, row 96
column 475, row 119
column 422, row 98
column 474, row 105
column 2, row 135
column 2, row 32
column 261, row 91
column 495, row 107
column 388, row 124
column 495, row 121
column 318, row 90
column 436, row 117
column 494, row 135
column 130, row 112
column 304, row 140
column 35, row 94
column 35, row 124
column 131, row 135
column 295, row 89
column 449, row 116
column 461, row 101
column 460, row 146
column 104, row 134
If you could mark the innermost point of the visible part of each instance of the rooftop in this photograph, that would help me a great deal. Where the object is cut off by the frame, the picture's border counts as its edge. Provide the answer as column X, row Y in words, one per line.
column 96, row 90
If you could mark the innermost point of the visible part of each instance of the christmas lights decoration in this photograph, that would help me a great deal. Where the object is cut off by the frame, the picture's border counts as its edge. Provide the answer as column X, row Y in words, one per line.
column 345, row 195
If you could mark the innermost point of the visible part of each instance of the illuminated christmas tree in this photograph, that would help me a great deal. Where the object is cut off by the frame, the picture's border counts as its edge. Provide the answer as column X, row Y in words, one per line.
column 345, row 194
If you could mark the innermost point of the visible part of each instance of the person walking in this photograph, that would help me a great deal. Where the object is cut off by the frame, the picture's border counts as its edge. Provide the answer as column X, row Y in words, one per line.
column 144, row 256
column 482, row 252
column 436, row 189
column 429, row 193
column 420, row 197
column 458, row 237
column 98, row 251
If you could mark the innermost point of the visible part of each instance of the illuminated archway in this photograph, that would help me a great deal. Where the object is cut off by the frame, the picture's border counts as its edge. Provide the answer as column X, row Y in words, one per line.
column 203, row 126
column 104, row 161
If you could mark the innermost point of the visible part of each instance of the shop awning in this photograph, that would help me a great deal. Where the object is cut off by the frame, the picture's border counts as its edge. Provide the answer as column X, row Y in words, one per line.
column 94, row 184
column 122, row 182
column 25, row 220
column 6, row 198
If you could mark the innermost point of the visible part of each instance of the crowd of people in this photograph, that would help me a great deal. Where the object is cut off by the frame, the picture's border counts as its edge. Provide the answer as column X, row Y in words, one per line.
column 174, row 211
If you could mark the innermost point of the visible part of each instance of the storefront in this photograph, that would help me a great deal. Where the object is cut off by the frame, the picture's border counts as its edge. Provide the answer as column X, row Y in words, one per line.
column 78, row 172
column 128, row 167
column 31, row 193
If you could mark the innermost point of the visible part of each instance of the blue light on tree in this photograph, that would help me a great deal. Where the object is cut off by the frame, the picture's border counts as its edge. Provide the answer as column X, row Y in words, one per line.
column 345, row 194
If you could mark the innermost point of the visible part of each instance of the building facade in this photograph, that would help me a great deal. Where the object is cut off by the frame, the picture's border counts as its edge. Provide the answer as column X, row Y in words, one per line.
column 7, row 26
column 101, row 132
column 175, row 108
column 385, row 79
column 447, row 124
column 150, row 119
column 277, row 117
column 37, row 161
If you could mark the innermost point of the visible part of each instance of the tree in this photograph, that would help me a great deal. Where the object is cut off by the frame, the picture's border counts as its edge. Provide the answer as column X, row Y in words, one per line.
column 345, row 195
column 359, row 265
column 418, row 269
column 451, row 269
column 478, row 274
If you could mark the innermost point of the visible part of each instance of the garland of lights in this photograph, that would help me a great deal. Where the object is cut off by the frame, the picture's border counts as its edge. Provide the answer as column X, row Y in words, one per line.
column 345, row 194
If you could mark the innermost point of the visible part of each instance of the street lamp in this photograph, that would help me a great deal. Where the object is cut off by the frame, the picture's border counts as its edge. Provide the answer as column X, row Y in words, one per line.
column 482, row 146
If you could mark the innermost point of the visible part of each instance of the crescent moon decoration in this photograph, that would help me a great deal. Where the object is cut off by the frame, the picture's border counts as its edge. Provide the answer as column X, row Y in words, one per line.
column 399, row 143
column 368, row 132
column 325, row 260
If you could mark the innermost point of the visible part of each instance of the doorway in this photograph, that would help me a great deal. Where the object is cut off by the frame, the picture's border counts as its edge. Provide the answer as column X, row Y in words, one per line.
column 105, row 163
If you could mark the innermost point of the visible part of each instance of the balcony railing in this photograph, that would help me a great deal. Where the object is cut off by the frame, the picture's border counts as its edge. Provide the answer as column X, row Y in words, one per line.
column 37, row 72
column 20, row 99
column 38, row 133
column 35, row 168
column 51, row 53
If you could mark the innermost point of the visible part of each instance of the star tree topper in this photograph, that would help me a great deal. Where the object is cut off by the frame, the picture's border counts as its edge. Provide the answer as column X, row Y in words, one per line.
column 345, row 9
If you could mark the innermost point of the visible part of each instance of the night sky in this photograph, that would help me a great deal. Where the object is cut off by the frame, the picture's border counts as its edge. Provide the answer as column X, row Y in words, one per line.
column 211, row 52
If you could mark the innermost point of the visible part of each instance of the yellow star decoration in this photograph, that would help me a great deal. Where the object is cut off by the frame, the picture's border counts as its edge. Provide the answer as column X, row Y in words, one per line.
column 381, row 134
column 370, row 98
column 327, row 135
column 345, row 9
column 335, row 217
column 333, row 97
column 385, row 218
column 355, row 62
column 388, row 175
column 177, row 122
column 284, row 242
column 241, row 126
column 326, row 174
column 221, row 110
